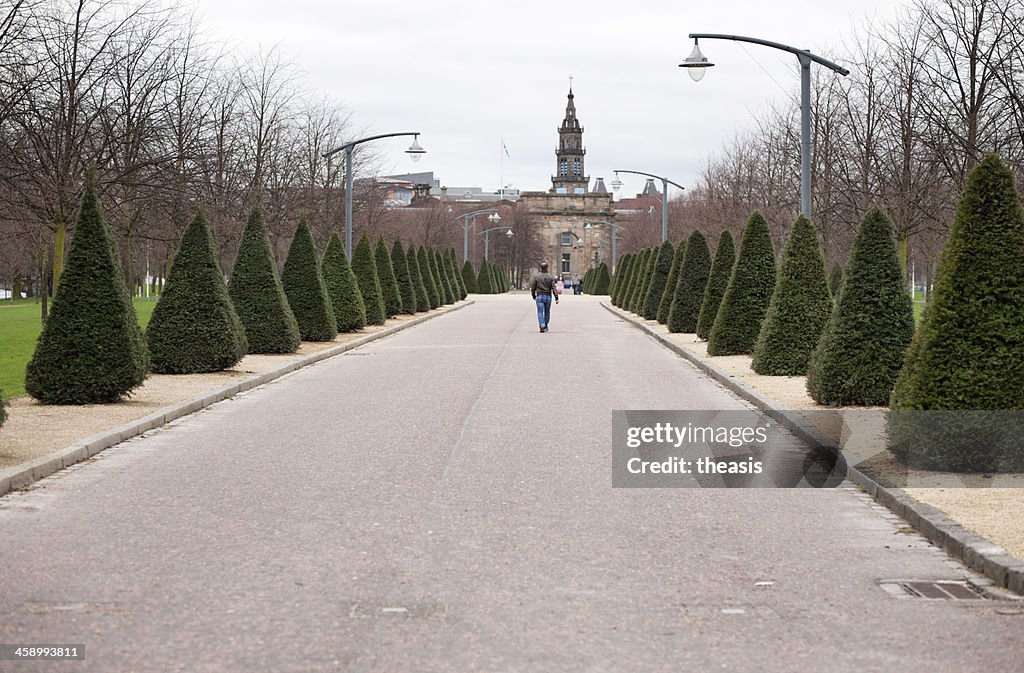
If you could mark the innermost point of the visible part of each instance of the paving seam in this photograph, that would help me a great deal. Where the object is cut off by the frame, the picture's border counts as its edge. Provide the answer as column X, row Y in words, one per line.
column 974, row 551
column 25, row 474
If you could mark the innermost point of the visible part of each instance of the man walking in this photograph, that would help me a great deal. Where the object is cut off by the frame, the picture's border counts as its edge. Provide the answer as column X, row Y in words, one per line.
column 542, row 288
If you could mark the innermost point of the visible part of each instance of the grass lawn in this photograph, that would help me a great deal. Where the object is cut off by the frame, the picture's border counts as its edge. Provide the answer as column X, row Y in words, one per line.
column 19, row 329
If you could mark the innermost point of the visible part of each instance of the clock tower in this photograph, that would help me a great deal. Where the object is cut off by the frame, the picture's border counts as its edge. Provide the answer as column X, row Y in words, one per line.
column 570, row 177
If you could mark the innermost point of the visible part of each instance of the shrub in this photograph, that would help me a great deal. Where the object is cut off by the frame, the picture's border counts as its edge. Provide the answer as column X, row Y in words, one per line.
column 969, row 354
column 422, row 298
column 483, row 280
column 861, row 350
column 671, row 282
column 799, row 308
column 194, row 327
column 645, row 280
column 469, row 278
column 601, row 281
column 636, row 283
column 400, row 263
column 693, row 281
column 429, row 281
column 656, row 285
column 91, row 349
column 304, row 286
column 258, row 295
column 835, row 280
column 750, row 290
column 3, row 410
column 390, row 291
column 455, row 275
column 442, row 274
column 364, row 265
column 619, row 279
column 342, row 288
column 718, row 280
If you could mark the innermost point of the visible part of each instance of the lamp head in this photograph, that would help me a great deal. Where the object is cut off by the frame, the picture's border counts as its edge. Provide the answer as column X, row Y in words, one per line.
column 494, row 218
column 415, row 151
column 616, row 183
column 696, row 63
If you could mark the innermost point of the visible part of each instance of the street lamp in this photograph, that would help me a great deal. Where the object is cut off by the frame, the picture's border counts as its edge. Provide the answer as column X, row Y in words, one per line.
column 696, row 63
column 415, row 151
column 665, row 182
column 487, row 233
column 494, row 218
column 615, row 229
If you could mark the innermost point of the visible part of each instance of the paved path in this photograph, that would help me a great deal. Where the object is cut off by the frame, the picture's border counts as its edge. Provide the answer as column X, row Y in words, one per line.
column 440, row 501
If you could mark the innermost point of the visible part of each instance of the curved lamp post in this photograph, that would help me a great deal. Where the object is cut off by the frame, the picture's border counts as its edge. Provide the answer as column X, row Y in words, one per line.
column 615, row 229
column 493, row 218
column 665, row 182
column 696, row 63
column 414, row 152
column 486, row 233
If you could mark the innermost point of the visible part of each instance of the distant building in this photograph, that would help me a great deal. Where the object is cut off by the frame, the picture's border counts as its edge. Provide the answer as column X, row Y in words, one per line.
column 565, row 209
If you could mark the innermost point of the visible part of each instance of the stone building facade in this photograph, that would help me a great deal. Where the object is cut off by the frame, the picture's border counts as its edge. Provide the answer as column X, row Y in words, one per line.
column 563, row 211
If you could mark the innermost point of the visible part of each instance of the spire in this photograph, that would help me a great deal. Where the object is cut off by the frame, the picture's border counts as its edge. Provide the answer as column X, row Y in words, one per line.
column 599, row 187
column 570, row 121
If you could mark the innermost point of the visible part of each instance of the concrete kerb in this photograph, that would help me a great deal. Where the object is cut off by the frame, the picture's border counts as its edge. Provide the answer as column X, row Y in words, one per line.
column 974, row 551
column 22, row 476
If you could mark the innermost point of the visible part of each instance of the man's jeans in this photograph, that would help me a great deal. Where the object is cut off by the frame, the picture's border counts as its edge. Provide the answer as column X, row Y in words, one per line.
column 543, row 309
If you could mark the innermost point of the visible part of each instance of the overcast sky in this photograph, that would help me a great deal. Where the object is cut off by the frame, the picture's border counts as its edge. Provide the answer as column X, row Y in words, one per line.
column 469, row 74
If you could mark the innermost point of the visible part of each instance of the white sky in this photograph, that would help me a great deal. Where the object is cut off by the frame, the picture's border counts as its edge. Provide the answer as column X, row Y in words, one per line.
column 469, row 74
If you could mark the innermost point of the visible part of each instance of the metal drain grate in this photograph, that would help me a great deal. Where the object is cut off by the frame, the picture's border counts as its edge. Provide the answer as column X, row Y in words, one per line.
column 942, row 590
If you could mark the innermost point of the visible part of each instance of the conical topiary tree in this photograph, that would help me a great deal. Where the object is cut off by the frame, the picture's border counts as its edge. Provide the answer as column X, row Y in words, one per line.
column 602, row 281
column 364, row 265
column 343, row 288
column 861, row 350
column 643, row 272
column 656, row 285
column 799, row 308
column 835, row 280
column 422, row 298
column 469, row 277
column 258, row 295
column 749, row 292
column 91, row 349
column 429, row 282
column 969, row 353
column 390, row 291
column 671, row 282
column 194, row 327
column 400, row 263
column 619, row 279
column 437, row 259
column 644, row 280
column 690, row 288
column 497, row 284
column 453, row 274
column 636, row 269
column 718, row 280
column 483, row 281
column 304, row 286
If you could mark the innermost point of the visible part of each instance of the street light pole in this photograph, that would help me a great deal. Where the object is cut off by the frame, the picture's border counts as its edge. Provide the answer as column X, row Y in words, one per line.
column 414, row 152
column 494, row 217
column 665, row 182
column 696, row 62
column 615, row 229
column 487, row 235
